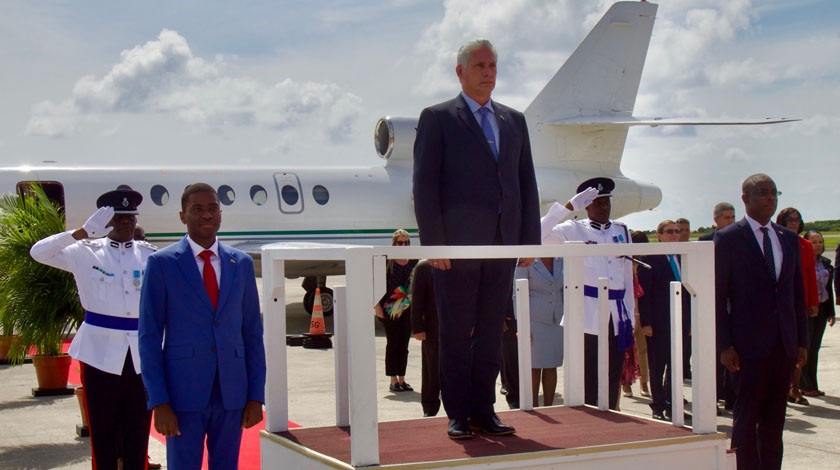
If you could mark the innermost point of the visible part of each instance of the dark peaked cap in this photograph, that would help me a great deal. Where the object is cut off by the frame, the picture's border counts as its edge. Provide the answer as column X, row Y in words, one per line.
column 124, row 201
column 604, row 186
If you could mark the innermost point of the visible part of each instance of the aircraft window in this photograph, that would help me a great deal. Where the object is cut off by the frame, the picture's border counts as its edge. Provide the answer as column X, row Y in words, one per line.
column 321, row 195
column 160, row 195
column 123, row 186
column 258, row 195
column 226, row 195
column 290, row 194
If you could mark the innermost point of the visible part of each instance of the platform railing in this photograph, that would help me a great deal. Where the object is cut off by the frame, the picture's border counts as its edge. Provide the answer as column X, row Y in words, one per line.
column 355, row 343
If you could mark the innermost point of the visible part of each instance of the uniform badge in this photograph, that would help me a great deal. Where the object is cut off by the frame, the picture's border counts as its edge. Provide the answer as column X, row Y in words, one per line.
column 125, row 202
column 615, row 239
column 591, row 242
column 621, row 238
column 136, row 279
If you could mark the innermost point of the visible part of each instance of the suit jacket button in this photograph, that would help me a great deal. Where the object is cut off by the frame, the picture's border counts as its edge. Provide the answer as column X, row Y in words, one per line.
column 217, row 324
column 213, row 348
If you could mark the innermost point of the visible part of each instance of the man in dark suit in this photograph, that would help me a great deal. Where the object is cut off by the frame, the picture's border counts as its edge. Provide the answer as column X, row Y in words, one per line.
column 201, row 340
column 655, row 316
column 761, row 321
column 474, row 184
column 724, row 216
column 424, row 327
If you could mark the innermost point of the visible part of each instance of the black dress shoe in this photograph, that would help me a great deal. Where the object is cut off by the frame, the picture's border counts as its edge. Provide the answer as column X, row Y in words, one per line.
column 429, row 414
column 491, row 424
column 459, row 428
column 406, row 387
column 659, row 415
column 396, row 387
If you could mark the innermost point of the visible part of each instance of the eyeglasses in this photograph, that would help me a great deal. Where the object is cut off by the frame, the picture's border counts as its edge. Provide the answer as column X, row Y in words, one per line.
column 765, row 193
column 671, row 231
column 402, row 243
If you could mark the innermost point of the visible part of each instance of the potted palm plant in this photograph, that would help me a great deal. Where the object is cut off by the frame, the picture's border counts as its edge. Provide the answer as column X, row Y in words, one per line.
column 38, row 302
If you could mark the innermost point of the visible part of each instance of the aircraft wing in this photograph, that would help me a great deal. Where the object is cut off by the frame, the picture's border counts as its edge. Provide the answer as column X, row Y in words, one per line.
column 659, row 121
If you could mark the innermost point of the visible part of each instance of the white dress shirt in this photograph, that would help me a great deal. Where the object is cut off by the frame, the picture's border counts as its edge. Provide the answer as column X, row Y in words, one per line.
column 774, row 241
column 215, row 261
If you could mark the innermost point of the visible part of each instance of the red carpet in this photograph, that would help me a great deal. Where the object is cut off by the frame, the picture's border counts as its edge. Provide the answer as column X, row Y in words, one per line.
column 425, row 440
column 249, row 451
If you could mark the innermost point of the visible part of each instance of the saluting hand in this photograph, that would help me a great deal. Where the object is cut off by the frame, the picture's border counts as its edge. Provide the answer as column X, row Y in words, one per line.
column 584, row 198
column 97, row 224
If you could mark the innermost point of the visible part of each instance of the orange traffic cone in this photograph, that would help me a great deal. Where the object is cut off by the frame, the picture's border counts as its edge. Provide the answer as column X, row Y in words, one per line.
column 317, row 337
column 316, row 325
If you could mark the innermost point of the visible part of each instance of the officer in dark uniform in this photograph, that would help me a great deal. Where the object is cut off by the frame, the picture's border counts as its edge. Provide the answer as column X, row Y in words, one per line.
column 109, row 273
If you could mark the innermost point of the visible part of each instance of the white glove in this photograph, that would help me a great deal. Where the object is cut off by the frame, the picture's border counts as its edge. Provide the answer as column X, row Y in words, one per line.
column 97, row 224
column 584, row 198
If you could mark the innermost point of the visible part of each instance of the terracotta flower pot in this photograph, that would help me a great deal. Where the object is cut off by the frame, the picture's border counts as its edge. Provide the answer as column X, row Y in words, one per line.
column 52, row 371
column 6, row 344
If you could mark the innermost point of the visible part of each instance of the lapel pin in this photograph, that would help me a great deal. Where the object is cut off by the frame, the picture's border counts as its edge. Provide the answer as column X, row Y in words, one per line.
column 233, row 261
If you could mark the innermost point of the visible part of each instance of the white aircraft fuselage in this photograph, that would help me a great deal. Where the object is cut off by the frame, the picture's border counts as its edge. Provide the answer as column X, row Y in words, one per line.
column 578, row 127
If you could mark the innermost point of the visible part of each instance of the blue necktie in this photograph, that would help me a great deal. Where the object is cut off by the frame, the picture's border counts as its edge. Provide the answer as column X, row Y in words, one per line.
column 488, row 131
column 768, row 254
column 674, row 268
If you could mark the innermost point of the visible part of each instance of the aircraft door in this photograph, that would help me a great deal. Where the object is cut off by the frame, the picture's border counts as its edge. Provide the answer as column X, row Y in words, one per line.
column 289, row 193
column 53, row 189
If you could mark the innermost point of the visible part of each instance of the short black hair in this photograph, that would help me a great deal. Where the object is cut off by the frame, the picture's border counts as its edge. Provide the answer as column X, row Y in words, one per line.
column 752, row 180
column 196, row 188
column 639, row 237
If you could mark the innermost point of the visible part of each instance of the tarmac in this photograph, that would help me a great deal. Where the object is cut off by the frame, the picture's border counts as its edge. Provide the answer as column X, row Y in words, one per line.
column 40, row 433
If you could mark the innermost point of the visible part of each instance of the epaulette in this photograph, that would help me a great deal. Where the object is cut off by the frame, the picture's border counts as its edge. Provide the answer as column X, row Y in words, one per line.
column 147, row 245
column 91, row 242
column 615, row 222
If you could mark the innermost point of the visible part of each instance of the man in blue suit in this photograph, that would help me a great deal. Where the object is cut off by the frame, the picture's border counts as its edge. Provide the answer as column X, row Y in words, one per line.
column 761, row 321
column 201, row 340
column 474, row 184
column 655, row 317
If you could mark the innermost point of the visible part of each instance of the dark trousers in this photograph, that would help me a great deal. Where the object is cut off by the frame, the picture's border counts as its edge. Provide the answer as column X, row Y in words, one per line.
column 816, row 329
column 510, row 364
column 761, row 386
column 590, row 365
column 430, row 388
column 117, row 417
column 397, row 334
column 659, row 361
column 472, row 298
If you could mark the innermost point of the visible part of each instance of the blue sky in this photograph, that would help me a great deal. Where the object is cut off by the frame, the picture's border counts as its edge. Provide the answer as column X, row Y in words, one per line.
column 297, row 82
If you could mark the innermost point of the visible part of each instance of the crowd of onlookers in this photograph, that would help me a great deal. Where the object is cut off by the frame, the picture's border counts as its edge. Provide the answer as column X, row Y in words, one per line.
column 647, row 362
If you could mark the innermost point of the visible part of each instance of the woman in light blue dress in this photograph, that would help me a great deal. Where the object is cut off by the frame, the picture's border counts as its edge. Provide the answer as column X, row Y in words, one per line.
column 545, row 286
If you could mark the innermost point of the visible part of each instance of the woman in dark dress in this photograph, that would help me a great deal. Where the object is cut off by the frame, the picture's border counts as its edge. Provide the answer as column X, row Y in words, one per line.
column 816, row 325
column 394, row 311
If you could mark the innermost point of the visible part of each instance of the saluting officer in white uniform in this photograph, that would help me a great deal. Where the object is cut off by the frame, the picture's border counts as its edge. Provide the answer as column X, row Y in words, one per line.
column 109, row 273
column 594, row 196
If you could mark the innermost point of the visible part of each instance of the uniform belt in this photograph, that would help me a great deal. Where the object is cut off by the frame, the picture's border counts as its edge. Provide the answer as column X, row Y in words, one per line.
column 625, row 329
column 113, row 323
column 592, row 291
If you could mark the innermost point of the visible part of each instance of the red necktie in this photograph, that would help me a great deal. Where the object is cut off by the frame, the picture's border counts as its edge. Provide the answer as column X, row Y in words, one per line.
column 209, row 275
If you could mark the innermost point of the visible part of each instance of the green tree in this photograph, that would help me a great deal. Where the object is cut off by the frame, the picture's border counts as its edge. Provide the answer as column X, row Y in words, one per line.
column 39, row 302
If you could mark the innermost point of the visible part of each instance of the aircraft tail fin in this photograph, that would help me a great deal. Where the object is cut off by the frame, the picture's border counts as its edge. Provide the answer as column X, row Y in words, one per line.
column 600, row 79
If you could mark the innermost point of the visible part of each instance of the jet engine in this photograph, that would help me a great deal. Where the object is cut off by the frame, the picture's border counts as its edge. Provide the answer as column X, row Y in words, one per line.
column 394, row 138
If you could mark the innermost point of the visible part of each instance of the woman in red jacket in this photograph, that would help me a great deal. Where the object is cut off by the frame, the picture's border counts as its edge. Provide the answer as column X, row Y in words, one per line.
column 792, row 219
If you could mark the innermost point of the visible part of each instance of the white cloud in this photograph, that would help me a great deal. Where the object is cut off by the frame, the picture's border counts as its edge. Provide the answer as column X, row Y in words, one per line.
column 163, row 76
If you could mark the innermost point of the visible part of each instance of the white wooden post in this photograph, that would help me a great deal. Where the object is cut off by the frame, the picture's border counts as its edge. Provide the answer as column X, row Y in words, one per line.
column 698, row 270
column 364, row 437
column 340, row 340
column 677, row 416
column 523, row 344
column 603, row 344
column 274, row 338
column 573, row 331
